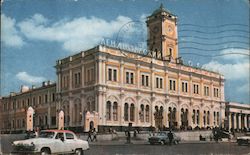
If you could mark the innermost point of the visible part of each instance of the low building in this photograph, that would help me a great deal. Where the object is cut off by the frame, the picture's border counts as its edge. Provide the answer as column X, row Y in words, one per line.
column 237, row 116
column 14, row 108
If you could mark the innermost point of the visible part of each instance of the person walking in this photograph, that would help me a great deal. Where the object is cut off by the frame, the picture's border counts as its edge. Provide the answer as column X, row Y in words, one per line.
column 170, row 137
column 90, row 135
column 94, row 135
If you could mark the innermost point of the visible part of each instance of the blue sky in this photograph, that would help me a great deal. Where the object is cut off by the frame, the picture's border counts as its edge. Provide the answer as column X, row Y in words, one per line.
column 35, row 33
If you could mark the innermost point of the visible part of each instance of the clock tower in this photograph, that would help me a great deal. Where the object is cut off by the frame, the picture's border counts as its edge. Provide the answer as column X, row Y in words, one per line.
column 162, row 34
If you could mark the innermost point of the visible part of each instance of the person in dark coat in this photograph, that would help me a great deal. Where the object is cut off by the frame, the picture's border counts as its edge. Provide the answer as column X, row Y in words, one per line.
column 90, row 135
column 170, row 137
column 94, row 135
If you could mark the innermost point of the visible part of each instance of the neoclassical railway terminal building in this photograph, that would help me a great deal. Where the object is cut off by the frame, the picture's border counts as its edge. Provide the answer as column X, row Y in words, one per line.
column 110, row 87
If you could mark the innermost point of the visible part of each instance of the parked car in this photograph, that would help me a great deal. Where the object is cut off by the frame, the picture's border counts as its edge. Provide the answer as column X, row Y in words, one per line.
column 162, row 138
column 52, row 142
column 244, row 140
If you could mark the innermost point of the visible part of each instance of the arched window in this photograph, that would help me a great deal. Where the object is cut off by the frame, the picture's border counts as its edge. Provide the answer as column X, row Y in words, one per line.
column 132, row 112
column 92, row 106
column 214, row 118
column 208, row 120
column 147, row 113
column 174, row 115
column 115, row 106
column 88, row 106
column 218, row 116
column 142, row 113
column 193, row 116
column 198, row 117
column 126, row 112
column 204, row 118
column 108, row 110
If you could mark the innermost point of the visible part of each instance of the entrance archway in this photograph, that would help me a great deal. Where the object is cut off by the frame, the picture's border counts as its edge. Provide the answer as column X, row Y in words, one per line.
column 91, row 125
column 158, row 117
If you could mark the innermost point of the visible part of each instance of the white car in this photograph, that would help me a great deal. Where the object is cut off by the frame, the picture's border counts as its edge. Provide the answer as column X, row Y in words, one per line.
column 52, row 142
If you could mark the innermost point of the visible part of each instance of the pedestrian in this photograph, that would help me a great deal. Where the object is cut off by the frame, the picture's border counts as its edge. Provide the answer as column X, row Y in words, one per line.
column 170, row 137
column 135, row 132
column 90, row 135
column 94, row 135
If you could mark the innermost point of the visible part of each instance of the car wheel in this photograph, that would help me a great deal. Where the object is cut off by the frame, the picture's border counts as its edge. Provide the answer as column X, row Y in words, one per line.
column 45, row 151
column 78, row 152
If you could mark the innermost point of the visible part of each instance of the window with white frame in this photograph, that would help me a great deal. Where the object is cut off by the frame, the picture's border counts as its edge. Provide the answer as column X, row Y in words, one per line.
column 196, row 88
column 206, row 90
column 172, row 85
column 184, row 86
column 112, row 74
column 129, row 77
column 216, row 92
column 144, row 80
column 159, row 82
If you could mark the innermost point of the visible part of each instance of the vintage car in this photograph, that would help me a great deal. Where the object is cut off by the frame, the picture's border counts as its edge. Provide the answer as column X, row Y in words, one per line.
column 244, row 140
column 162, row 138
column 51, row 142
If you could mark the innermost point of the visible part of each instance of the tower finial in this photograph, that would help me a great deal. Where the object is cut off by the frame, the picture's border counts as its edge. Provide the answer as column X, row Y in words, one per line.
column 161, row 7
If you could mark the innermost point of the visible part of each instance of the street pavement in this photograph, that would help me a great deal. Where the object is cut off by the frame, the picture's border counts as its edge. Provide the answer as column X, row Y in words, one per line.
column 184, row 148
column 142, row 147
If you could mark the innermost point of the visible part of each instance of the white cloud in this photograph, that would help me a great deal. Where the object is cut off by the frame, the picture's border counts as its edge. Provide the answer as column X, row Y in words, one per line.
column 233, row 66
column 9, row 33
column 25, row 77
column 76, row 34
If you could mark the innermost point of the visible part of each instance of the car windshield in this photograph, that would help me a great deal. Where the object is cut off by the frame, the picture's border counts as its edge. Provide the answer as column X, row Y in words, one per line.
column 46, row 134
column 161, row 134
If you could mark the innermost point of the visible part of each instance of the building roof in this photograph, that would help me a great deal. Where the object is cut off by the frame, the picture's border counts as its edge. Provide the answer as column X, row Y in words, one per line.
column 160, row 10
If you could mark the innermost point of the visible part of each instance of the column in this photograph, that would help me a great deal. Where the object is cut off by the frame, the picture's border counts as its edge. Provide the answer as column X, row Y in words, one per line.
column 190, row 121
column 239, row 121
column 245, row 121
column 235, row 122
column 201, row 118
column 229, row 121
column 166, row 116
column 178, row 120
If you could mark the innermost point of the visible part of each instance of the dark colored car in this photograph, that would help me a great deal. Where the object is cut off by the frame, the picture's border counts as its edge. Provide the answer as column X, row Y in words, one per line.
column 162, row 138
column 244, row 140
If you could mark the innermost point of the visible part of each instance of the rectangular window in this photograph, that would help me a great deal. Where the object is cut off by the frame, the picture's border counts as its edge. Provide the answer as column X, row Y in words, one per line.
column 127, row 77
column 157, row 82
column 184, row 86
column 115, row 75
column 110, row 74
column 132, row 78
column 161, row 83
column 216, row 92
column 206, row 91
column 147, row 80
column 143, row 80
column 172, row 85
column 196, row 89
